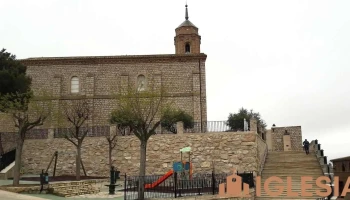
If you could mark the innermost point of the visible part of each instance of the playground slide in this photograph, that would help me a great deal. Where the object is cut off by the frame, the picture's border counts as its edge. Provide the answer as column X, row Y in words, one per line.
column 159, row 181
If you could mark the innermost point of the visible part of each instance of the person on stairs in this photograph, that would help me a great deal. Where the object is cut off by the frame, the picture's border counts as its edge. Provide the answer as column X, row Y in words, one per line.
column 306, row 146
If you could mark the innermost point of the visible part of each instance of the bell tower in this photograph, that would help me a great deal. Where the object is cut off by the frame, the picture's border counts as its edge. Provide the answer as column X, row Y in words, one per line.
column 187, row 39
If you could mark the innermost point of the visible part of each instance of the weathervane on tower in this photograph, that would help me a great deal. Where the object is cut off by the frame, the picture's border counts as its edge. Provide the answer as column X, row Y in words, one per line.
column 186, row 16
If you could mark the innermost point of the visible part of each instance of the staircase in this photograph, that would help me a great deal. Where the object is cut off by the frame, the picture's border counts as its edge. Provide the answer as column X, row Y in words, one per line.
column 7, row 163
column 294, row 164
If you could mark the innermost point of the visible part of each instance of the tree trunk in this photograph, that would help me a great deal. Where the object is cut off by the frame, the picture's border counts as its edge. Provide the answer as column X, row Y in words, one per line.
column 78, row 164
column 17, row 168
column 141, row 192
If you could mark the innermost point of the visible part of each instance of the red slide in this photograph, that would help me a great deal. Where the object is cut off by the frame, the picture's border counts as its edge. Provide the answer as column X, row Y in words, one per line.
column 159, row 181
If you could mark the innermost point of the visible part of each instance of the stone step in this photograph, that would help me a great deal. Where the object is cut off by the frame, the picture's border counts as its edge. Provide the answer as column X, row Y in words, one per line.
column 298, row 157
column 286, row 198
column 294, row 186
column 294, row 182
column 284, row 193
column 293, row 176
column 286, row 167
column 291, row 172
column 295, row 169
column 292, row 160
column 302, row 155
column 287, row 161
column 287, row 152
column 282, row 161
column 306, row 157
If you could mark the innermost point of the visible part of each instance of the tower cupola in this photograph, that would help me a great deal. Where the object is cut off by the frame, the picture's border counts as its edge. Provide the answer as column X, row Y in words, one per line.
column 187, row 39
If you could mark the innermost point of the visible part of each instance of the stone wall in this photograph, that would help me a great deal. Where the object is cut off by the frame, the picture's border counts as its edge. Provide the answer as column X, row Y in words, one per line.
column 295, row 136
column 7, row 142
column 101, row 78
column 8, row 139
column 226, row 150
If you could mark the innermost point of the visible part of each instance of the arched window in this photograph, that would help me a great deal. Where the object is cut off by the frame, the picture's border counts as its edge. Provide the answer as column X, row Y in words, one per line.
column 141, row 83
column 187, row 48
column 74, row 85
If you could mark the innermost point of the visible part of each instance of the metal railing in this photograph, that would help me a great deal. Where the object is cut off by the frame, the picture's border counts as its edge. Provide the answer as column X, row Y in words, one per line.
column 37, row 134
column 197, row 127
column 175, row 187
column 93, row 131
column 216, row 126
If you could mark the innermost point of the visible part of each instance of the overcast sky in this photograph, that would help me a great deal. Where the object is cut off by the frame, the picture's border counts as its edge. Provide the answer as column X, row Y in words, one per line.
column 288, row 60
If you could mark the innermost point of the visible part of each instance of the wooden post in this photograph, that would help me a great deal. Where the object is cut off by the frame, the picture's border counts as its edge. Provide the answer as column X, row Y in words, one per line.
column 82, row 165
column 47, row 169
column 54, row 168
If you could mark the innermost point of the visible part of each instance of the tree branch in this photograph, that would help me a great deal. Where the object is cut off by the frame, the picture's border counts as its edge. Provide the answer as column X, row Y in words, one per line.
column 70, row 140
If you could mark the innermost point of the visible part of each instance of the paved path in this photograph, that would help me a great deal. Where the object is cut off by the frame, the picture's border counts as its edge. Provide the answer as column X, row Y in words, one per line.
column 14, row 196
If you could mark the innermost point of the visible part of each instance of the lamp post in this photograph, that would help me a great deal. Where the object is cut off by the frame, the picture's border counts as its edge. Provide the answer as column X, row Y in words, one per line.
column 114, row 175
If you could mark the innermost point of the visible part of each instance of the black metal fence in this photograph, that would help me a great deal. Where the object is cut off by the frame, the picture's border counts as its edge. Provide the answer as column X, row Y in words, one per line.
column 175, row 187
column 93, row 131
column 7, row 158
column 37, row 134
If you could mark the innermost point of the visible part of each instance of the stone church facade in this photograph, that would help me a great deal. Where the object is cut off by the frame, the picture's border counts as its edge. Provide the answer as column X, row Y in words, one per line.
column 98, row 79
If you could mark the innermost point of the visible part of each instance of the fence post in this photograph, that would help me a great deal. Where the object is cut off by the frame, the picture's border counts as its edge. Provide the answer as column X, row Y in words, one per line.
column 125, row 187
column 180, row 128
column 213, row 182
column 175, row 180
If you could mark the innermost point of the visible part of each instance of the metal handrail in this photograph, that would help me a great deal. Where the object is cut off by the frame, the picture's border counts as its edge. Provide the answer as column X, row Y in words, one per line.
column 264, row 159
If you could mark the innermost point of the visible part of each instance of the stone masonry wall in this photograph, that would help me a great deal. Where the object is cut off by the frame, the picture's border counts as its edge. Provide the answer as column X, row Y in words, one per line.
column 100, row 78
column 226, row 150
column 295, row 136
column 7, row 142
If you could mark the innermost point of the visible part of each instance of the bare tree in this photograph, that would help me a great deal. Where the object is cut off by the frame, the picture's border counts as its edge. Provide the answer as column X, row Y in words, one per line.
column 26, row 116
column 112, row 141
column 77, row 113
column 142, row 112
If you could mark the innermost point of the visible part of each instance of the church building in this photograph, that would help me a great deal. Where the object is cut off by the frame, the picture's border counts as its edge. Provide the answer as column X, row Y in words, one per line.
column 99, row 78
